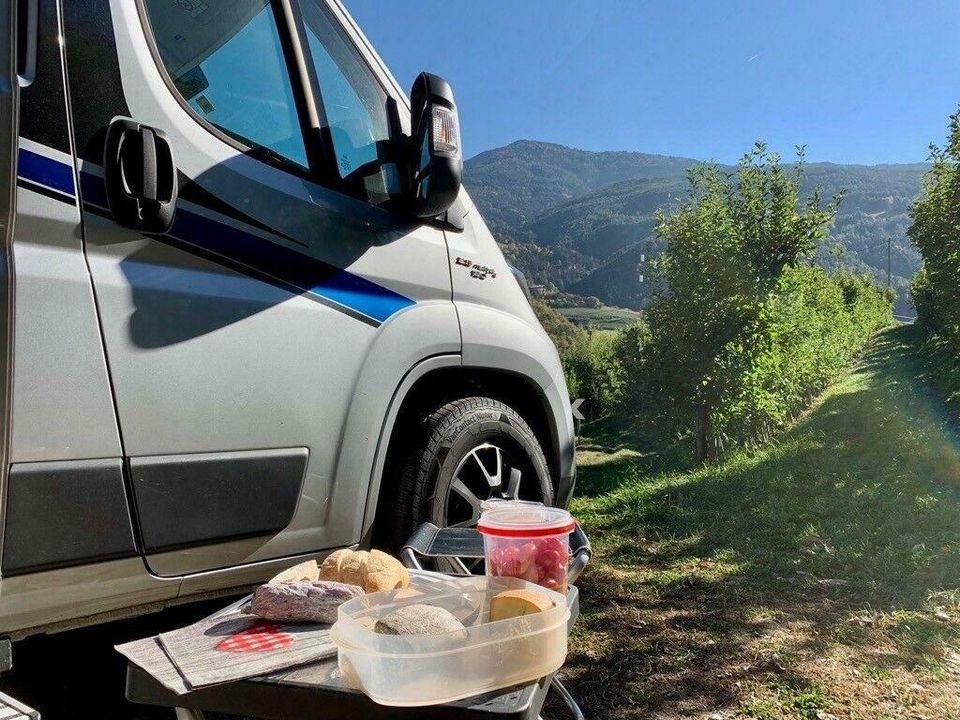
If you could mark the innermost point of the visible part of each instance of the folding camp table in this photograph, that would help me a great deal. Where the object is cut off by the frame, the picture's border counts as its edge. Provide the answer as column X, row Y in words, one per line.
column 318, row 692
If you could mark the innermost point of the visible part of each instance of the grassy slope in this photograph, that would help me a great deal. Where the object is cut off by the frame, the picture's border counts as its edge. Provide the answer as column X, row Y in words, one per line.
column 816, row 578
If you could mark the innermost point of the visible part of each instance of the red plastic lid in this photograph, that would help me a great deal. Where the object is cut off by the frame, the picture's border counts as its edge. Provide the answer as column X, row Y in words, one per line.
column 520, row 520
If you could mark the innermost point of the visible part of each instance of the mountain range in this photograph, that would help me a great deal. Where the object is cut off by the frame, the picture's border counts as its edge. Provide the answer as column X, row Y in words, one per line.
column 583, row 221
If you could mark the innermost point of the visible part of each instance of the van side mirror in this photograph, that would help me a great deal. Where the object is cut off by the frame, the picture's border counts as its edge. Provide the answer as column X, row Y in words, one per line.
column 435, row 164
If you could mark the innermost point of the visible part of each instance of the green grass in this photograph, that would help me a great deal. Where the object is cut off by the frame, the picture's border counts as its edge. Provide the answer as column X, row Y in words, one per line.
column 604, row 318
column 762, row 584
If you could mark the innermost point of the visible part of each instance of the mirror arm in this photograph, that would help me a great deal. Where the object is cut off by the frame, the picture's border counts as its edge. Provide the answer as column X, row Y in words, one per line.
column 448, row 222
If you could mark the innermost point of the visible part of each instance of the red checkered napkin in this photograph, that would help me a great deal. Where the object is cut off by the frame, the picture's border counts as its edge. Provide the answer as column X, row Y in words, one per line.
column 219, row 650
column 258, row 637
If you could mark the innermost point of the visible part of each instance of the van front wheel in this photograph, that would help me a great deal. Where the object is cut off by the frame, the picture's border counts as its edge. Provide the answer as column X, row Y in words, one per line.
column 469, row 450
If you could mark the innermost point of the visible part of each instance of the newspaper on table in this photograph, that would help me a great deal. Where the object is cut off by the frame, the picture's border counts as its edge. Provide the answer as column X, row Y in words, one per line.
column 229, row 647
column 149, row 655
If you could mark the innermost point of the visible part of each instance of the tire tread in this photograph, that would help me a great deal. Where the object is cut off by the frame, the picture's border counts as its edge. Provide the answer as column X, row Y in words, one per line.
column 439, row 429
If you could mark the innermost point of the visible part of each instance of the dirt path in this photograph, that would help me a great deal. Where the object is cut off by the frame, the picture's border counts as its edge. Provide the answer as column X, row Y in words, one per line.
column 817, row 578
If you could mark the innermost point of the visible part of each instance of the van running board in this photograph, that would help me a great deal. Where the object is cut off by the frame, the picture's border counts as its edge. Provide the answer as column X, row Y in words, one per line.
column 11, row 709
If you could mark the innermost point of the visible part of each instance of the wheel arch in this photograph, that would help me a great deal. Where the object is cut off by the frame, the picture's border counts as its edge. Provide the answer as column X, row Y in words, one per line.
column 433, row 389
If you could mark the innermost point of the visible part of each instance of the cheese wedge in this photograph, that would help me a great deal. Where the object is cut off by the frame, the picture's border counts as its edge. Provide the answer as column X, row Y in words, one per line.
column 514, row 603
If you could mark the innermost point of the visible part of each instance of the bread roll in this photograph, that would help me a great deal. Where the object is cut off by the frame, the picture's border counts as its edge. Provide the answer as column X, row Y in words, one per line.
column 373, row 571
column 384, row 573
column 353, row 568
column 418, row 620
column 304, row 571
column 330, row 568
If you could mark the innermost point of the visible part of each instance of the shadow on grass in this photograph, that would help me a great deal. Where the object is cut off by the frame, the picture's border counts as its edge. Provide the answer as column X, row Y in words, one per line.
column 845, row 534
column 612, row 450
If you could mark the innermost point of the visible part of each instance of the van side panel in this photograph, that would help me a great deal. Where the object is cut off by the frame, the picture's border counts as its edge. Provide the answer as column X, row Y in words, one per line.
column 62, row 405
column 68, row 532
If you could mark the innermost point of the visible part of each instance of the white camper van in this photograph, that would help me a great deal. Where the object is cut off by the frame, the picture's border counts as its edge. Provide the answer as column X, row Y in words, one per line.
column 248, row 313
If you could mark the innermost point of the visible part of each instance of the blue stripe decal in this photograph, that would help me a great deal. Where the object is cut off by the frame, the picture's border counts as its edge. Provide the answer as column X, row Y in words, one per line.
column 93, row 190
column 45, row 171
column 303, row 272
column 307, row 273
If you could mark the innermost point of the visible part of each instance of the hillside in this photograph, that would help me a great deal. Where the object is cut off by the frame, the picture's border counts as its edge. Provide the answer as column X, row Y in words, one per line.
column 582, row 220
column 513, row 185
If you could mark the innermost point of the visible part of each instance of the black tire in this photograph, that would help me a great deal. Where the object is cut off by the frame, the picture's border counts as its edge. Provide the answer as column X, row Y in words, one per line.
column 447, row 437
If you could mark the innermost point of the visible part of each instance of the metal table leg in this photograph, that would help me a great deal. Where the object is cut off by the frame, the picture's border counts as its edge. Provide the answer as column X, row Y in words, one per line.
column 567, row 698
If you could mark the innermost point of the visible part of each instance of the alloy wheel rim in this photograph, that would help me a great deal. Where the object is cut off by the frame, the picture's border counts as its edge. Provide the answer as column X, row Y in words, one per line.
column 483, row 463
column 488, row 470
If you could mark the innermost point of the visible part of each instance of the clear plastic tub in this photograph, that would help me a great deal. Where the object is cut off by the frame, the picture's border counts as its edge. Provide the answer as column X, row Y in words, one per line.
column 528, row 541
column 408, row 670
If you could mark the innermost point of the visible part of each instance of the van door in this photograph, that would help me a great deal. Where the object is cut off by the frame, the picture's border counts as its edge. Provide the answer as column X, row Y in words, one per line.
column 235, row 339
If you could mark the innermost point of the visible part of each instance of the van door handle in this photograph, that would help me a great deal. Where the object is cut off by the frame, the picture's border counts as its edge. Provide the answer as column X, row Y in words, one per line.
column 140, row 176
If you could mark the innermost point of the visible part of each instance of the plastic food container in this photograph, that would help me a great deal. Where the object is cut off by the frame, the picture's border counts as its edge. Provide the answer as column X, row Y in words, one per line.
column 408, row 670
column 528, row 541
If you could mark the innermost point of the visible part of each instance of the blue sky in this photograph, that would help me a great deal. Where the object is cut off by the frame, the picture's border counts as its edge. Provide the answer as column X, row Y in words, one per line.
column 861, row 82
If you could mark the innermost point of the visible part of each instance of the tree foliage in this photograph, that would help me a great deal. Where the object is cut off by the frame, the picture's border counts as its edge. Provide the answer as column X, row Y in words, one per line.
column 935, row 230
column 747, row 330
column 746, row 333
column 595, row 361
column 595, row 372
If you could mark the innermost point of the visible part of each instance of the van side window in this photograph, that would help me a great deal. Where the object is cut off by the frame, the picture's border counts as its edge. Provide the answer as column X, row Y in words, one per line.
column 226, row 61
column 354, row 102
